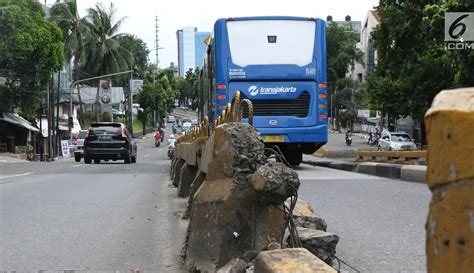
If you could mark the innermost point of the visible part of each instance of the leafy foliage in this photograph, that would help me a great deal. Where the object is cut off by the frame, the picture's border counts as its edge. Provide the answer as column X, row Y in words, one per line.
column 157, row 94
column 139, row 50
column 105, row 54
column 342, row 53
column 413, row 62
column 30, row 50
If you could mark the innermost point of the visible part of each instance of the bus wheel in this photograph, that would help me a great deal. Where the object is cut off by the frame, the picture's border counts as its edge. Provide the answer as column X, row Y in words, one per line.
column 294, row 158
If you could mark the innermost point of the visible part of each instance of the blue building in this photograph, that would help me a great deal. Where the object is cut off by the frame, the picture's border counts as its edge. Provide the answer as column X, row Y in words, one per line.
column 191, row 49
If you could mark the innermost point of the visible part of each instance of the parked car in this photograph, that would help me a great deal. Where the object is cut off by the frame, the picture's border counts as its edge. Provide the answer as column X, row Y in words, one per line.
column 109, row 141
column 79, row 145
column 117, row 113
column 186, row 126
column 194, row 121
column 396, row 141
column 171, row 119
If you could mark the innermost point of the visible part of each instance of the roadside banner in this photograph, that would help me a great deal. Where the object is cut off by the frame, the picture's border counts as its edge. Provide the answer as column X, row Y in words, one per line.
column 65, row 148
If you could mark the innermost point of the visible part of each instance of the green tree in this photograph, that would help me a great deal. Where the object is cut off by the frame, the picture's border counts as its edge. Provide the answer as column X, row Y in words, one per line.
column 105, row 54
column 75, row 31
column 342, row 53
column 413, row 63
column 189, row 87
column 341, row 41
column 30, row 50
column 139, row 50
column 157, row 94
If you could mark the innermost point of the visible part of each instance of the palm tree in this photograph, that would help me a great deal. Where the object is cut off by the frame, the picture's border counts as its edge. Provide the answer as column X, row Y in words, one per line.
column 105, row 55
column 74, row 30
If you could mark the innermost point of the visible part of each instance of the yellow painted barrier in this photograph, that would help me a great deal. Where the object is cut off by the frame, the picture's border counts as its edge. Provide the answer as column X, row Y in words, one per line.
column 232, row 113
column 450, row 158
column 406, row 156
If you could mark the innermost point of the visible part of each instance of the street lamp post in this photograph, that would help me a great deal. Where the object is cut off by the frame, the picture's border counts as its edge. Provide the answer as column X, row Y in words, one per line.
column 88, row 79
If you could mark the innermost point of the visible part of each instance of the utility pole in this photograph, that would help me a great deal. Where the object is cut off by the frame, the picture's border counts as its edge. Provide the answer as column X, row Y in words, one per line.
column 130, row 103
column 57, row 115
column 157, row 47
column 51, row 121
column 48, row 141
column 97, row 105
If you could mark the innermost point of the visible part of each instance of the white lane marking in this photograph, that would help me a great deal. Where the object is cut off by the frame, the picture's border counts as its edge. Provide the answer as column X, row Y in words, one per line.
column 75, row 166
column 147, row 155
column 16, row 175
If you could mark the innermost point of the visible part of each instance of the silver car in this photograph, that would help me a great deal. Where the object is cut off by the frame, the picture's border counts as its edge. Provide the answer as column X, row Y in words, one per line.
column 79, row 145
column 396, row 141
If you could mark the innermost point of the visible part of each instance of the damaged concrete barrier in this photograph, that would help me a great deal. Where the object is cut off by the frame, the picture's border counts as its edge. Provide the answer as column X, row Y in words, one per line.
column 450, row 158
column 290, row 260
column 304, row 216
column 177, row 171
column 187, row 175
column 235, row 210
column 320, row 243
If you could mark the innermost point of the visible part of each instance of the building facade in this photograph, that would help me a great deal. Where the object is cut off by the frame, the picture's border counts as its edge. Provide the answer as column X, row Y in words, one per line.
column 366, row 46
column 191, row 49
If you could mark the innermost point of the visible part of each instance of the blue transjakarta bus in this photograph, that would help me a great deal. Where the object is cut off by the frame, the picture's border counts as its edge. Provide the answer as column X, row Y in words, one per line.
column 279, row 63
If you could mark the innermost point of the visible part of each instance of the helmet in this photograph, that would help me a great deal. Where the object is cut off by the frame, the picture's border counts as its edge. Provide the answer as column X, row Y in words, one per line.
column 171, row 136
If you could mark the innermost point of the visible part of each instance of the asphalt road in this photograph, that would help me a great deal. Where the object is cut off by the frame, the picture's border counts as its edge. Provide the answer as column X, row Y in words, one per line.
column 337, row 142
column 67, row 215
column 71, row 216
column 380, row 221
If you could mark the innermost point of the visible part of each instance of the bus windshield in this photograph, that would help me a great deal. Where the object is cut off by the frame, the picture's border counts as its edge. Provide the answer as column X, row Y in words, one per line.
column 266, row 42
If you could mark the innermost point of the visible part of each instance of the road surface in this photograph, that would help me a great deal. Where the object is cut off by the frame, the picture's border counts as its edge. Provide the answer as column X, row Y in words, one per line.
column 65, row 215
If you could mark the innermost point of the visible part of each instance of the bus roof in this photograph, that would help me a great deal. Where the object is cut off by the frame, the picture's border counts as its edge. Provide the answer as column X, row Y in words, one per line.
column 252, row 18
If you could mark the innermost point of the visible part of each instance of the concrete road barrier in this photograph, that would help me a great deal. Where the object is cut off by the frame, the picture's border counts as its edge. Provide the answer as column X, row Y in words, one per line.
column 290, row 260
column 236, row 197
column 231, row 215
column 368, row 168
column 450, row 223
column 413, row 173
column 406, row 157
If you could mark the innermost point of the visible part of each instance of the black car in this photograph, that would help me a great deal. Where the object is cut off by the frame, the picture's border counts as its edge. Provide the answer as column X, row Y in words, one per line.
column 109, row 141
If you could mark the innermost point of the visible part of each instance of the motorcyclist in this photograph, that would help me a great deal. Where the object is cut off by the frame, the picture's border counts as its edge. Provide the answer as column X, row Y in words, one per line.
column 162, row 133
column 171, row 141
column 157, row 136
column 173, row 127
column 348, row 134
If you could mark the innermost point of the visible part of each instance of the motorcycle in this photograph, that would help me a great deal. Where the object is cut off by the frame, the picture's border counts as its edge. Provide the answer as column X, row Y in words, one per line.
column 348, row 141
column 170, row 152
column 157, row 143
column 174, row 130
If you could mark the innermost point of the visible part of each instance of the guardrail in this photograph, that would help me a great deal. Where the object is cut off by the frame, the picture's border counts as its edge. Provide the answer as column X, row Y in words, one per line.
column 405, row 156
column 232, row 113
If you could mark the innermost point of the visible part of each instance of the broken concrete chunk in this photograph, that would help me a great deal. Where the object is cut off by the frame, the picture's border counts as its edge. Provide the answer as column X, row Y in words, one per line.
column 289, row 260
column 304, row 216
column 320, row 243
column 275, row 182
column 234, row 266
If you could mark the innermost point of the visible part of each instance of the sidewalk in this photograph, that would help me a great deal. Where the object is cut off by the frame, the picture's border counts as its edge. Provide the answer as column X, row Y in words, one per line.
column 10, row 158
column 411, row 173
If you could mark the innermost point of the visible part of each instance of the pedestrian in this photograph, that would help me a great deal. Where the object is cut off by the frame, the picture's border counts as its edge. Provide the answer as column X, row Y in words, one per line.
column 162, row 133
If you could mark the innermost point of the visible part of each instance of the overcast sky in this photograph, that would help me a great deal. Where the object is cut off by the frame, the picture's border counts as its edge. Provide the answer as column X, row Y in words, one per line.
column 176, row 14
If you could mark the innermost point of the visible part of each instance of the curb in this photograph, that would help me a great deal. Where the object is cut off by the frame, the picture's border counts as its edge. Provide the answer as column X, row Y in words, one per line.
column 410, row 173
